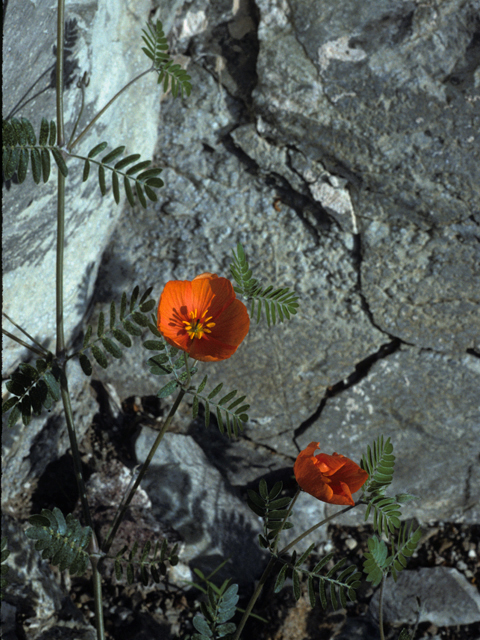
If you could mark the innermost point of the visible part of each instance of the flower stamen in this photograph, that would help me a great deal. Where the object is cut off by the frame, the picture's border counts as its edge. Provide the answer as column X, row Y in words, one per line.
column 198, row 326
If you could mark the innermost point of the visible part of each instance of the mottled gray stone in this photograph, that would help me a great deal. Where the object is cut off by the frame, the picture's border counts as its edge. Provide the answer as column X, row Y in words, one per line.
column 191, row 496
column 428, row 404
column 108, row 38
column 424, row 286
column 446, row 598
column 385, row 95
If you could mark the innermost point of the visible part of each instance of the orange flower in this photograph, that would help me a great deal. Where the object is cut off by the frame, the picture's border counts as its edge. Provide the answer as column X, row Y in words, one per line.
column 331, row 479
column 203, row 317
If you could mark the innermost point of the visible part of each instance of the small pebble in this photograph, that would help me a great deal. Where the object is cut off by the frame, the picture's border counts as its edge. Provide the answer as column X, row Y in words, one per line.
column 351, row 543
column 461, row 565
column 472, row 554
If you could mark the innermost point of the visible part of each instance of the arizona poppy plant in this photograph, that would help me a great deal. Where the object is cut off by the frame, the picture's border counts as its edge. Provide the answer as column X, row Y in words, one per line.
column 203, row 317
column 331, row 479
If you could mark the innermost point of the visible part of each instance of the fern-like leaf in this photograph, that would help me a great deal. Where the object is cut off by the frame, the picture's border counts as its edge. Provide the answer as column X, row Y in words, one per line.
column 19, row 146
column 231, row 411
column 376, row 560
column 119, row 327
column 169, row 73
column 272, row 509
column 32, row 389
column 145, row 182
column 407, row 541
column 62, row 540
column 217, row 611
column 152, row 562
column 278, row 304
column 378, row 463
column 386, row 514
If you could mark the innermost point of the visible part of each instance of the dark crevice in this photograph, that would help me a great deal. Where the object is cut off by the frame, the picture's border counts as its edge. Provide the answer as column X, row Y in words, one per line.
column 361, row 371
column 474, row 353
column 304, row 206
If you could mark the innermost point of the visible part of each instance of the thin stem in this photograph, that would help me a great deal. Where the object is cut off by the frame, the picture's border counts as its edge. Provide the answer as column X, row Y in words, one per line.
column 44, row 351
column 289, row 511
column 273, row 560
column 102, row 111
column 380, row 607
column 59, row 78
column 23, row 343
column 254, row 597
column 60, row 347
column 81, row 84
column 315, row 526
column 119, row 517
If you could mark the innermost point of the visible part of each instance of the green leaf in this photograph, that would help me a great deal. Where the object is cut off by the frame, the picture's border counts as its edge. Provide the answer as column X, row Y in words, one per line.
column 45, row 164
column 128, row 191
column 281, row 579
column 99, row 356
column 122, row 337
column 85, row 364
column 36, row 161
column 112, row 348
column 217, row 389
column 58, row 157
column 53, row 134
column 131, row 328
column 168, row 389
column 52, row 384
column 113, row 154
column 115, row 187
column 126, row 161
column 44, row 130
column 86, row 171
column 98, row 149
column 101, row 179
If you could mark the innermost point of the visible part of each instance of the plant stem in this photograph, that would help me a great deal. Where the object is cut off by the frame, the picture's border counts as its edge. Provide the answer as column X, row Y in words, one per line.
column 60, row 346
column 121, row 513
column 41, row 347
column 273, row 560
column 254, row 597
column 102, row 111
column 316, row 526
column 380, row 609
column 23, row 343
column 289, row 511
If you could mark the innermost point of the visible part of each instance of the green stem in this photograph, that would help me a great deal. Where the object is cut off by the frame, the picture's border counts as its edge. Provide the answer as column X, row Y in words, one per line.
column 23, row 343
column 273, row 560
column 121, row 513
column 102, row 111
column 254, row 597
column 380, row 607
column 289, row 511
column 44, row 351
column 315, row 526
column 60, row 346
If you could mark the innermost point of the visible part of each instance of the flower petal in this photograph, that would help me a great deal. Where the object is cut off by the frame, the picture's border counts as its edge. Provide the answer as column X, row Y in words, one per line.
column 214, row 296
column 330, row 478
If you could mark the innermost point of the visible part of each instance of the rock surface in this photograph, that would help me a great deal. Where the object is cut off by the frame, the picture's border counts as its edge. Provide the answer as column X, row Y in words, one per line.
column 446, row 598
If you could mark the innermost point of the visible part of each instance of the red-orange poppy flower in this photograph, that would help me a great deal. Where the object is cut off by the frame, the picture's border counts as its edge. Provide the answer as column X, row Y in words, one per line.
column 331, row 479
column 203, row 317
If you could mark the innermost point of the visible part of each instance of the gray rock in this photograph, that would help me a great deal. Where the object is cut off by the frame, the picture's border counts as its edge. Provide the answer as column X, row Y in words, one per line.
column 101, row 33
column 193, row 498
column 446, row 598
column 428, row 404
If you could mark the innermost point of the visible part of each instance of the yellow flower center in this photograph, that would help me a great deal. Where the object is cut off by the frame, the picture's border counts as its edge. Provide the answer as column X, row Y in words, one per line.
column 196, row 327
